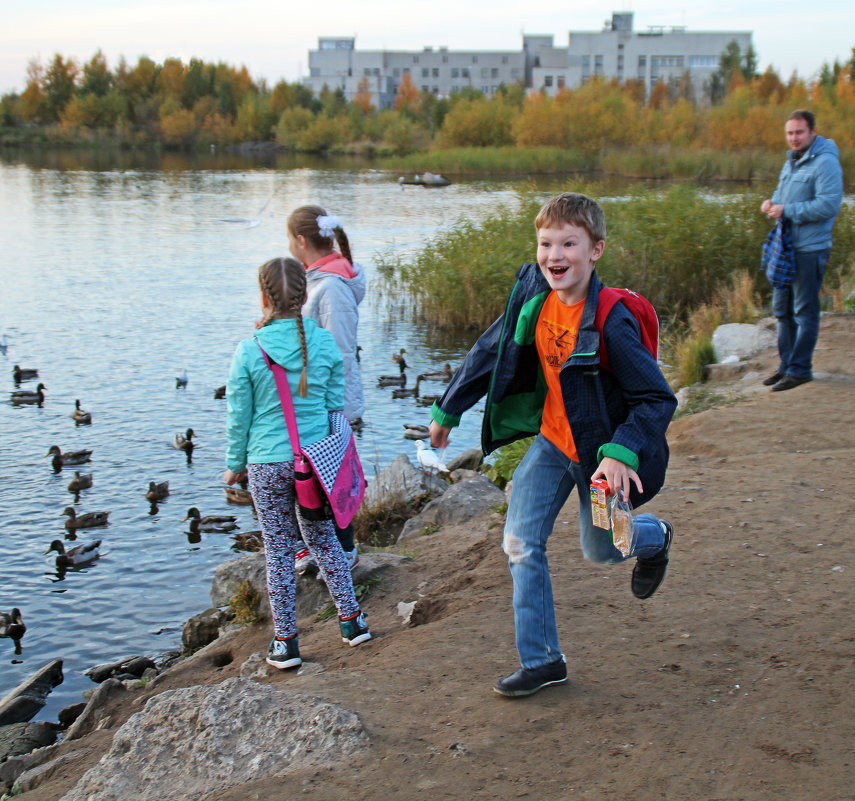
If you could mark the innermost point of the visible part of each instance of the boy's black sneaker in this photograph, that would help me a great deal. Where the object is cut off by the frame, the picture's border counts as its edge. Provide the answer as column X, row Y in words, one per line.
column 284, row 654
column 649, row 571
column 527, row 681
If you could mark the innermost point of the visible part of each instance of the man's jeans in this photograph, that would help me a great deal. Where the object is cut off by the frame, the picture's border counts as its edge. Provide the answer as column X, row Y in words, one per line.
column 541, row 485
column 797, row 310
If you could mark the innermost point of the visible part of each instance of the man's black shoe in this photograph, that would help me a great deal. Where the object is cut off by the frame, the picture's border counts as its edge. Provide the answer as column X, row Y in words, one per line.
column 772, row 379
column 790, row 381
column 529, row 680
column 649, row 571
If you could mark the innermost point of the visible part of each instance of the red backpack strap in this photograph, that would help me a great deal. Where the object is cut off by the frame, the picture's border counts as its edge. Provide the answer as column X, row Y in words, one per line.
column 607, row 299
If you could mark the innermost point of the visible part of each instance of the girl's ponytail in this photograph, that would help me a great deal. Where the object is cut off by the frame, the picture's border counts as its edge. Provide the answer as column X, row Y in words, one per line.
column 320, row 229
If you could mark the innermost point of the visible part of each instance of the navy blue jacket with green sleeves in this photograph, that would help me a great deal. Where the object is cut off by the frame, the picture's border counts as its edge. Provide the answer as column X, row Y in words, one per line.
column 623, row 413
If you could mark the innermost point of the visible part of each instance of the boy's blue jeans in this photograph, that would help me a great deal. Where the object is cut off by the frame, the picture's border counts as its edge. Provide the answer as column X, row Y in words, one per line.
column 797, row 309
column 542, row 483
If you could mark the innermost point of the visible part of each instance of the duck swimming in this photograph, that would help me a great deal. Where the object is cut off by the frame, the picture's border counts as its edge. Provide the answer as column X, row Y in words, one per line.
column 80, row 417
column 86, row 520
column 211, row 523
column 220, row 392
column 12, row 624
column 181, row 380
column 408, row 392
column 183, row 442
column 78, row 555
column 80, row 482
column 24, row 374
column 440, row 375
column 157, row 492
column 19, row 397
column 72, row 457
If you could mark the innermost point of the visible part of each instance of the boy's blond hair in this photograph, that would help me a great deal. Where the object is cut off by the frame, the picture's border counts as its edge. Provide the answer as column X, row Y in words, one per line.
column 574, row 209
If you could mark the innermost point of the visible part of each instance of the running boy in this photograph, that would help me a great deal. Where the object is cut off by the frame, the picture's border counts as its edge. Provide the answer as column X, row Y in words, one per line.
column 539, row 366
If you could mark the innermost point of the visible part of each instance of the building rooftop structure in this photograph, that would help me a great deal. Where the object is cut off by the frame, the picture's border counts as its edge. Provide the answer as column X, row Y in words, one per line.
column 617, row 51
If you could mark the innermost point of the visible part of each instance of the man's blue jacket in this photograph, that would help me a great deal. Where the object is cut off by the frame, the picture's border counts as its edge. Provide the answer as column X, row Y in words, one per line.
column 811, row 191
column 622, row 413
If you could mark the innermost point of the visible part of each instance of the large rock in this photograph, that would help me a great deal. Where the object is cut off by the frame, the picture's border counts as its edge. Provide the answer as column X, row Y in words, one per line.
column 312, row 594
column 468, row 460
column 198, row 740
column 741, row 341
column 229, row 576
column 21, row 738
column 400, row 482
column 459, row 503
column 201, row 629
column 92, row 714
column 25, row 701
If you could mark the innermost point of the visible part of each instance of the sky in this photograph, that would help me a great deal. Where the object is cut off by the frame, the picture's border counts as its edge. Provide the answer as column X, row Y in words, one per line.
column 272, row 37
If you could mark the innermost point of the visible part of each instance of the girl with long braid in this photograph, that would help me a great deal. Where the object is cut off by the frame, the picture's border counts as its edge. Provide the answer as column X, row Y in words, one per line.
column 259, row 446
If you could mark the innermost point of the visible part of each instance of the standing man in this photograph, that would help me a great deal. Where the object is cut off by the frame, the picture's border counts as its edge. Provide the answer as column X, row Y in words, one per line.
column 808, row 197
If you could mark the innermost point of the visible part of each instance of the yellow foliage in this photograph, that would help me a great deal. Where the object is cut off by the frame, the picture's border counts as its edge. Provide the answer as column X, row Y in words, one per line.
column 178, row 127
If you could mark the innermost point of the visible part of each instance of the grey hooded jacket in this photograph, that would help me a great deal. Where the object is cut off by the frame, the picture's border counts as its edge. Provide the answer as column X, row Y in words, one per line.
column 332, row 301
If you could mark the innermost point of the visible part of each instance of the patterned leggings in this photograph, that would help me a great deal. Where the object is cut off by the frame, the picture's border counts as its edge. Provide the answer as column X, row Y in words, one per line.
column 272, row 488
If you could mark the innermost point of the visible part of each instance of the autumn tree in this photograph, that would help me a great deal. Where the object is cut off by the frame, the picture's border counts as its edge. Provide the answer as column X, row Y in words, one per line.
column 407, row 98
column 362, row 101
column 58, row 86
column 32, row 105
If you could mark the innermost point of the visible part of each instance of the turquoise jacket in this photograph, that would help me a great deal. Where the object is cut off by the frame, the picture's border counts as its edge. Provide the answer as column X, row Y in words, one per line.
column 255, row 426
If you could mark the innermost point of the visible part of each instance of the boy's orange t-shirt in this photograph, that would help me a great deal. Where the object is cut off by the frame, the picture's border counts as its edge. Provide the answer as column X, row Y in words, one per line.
column 555, row 337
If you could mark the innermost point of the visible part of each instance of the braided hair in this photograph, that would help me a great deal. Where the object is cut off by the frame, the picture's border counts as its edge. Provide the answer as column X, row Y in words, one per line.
column 304, row 222
column 283, row 281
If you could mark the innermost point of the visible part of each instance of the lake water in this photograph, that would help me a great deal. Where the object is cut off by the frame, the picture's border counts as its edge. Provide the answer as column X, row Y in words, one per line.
column 115, row 277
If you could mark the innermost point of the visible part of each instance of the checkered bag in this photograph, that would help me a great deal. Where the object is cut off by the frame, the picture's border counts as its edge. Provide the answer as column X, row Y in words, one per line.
column 328, row 478
column 777, row 257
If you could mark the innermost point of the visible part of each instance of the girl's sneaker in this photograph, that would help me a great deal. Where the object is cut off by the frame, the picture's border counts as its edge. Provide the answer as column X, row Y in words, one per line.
column 304, row 563
column 354, row 630
column 284, row 653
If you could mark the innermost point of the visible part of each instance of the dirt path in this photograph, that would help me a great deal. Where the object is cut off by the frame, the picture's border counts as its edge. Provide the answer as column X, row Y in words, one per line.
column 736, row 681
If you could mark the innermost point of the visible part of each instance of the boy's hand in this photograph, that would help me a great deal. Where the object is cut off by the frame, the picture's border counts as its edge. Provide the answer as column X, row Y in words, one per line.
column 438, row 435
column 232, row 478
column 617, row 475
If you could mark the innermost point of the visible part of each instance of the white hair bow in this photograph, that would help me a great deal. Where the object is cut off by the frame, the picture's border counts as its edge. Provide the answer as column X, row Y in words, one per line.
column 327, row 225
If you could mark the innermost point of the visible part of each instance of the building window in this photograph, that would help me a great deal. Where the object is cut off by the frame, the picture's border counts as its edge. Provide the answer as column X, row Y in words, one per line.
column 561, row 81
column 703, row 62
column 485, row 90
column 435, row 72
column 504, row 59
column 425, row 72
column 515, row 73
column 485, row 72
column 425, row 89
column 598, row 65
column 396, row 73
column 547, row 80
column 494, row 73
column 455, row 72
column 464, row 72
column 435, row 90
column 474, row 59
column 445, row 59
column 415, row 59
column 406, row 70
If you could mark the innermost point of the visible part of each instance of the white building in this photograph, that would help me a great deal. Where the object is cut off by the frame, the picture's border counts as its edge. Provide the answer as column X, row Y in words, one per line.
column 615, row 52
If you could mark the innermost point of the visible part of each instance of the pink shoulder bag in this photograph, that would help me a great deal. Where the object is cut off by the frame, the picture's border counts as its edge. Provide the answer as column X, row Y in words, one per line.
column 328, row 478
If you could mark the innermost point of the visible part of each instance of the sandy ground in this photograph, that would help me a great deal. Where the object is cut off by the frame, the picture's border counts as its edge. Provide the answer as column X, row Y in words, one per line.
column 736, row 681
